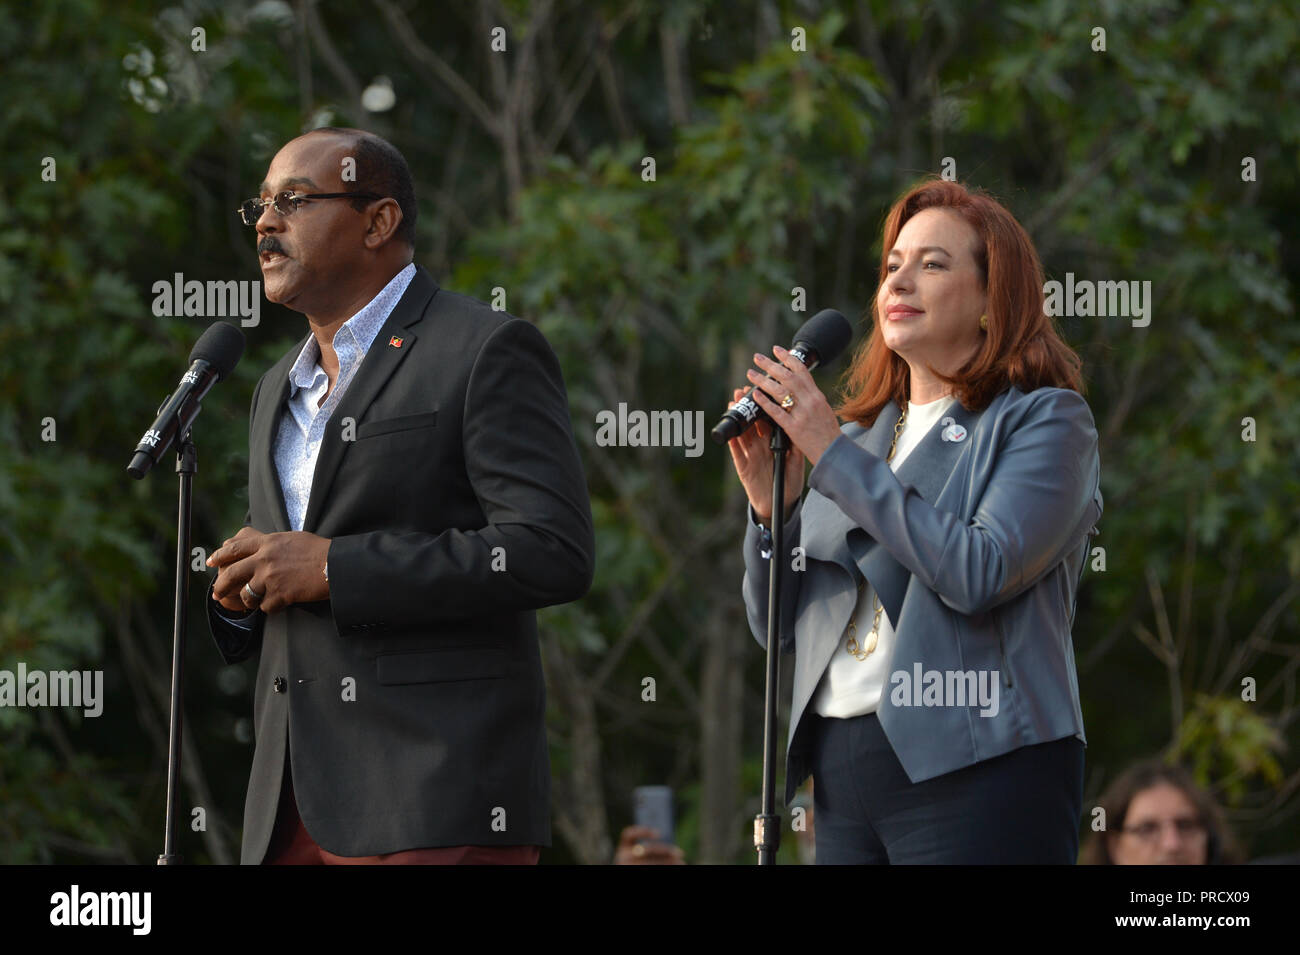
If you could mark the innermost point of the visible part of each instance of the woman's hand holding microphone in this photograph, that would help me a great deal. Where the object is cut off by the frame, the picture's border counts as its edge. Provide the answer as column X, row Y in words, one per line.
column 752, row 456
column 806, row 417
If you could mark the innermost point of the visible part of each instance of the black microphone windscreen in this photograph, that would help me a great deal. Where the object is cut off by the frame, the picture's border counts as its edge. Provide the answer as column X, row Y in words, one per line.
column 828, row 332
column 221, row 346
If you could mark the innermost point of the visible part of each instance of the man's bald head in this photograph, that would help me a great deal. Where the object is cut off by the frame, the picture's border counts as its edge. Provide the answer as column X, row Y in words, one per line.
column 381, row 169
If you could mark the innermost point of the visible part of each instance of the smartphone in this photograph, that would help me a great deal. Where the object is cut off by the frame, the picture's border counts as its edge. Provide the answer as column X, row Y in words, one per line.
column 653, row 807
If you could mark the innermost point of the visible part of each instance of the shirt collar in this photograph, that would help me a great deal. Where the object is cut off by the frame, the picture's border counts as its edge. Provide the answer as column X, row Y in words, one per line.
column 359, row 331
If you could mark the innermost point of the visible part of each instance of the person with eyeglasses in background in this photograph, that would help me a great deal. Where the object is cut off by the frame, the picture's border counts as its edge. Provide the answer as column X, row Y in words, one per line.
column 415, row 495
column 1156, row 815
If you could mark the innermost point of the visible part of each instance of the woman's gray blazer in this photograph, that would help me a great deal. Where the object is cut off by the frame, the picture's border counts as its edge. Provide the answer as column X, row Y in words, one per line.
column 976, row 548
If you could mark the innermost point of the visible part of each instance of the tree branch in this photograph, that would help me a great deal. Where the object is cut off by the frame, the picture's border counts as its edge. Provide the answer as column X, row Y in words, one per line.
column 405, row 34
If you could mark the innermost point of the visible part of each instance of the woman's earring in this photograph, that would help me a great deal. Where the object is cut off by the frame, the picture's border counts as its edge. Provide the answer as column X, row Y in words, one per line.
column 984, row 323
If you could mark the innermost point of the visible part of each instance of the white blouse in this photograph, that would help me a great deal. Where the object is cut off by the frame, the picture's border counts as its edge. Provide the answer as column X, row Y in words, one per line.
column 852, row 687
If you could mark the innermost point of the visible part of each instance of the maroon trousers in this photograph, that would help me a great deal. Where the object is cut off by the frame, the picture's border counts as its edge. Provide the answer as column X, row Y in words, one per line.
column 292, row 845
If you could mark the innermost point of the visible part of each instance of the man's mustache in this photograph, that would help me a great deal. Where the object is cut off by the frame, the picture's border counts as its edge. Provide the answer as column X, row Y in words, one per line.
column 270, row 244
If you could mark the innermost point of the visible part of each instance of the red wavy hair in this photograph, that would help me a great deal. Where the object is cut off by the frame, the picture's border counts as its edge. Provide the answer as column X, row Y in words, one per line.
column 1022, row 346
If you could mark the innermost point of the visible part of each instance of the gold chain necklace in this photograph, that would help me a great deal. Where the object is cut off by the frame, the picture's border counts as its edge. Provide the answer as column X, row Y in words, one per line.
column 874, row 636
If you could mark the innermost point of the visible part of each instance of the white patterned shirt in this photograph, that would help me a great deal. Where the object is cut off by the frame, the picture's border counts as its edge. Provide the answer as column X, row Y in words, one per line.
column 297, row 445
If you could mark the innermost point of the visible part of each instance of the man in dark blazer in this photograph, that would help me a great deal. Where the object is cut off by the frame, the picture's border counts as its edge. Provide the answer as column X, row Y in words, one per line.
column 415, row 494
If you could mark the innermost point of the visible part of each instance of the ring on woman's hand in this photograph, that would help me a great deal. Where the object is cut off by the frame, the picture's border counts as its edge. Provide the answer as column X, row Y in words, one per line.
column 788, row 401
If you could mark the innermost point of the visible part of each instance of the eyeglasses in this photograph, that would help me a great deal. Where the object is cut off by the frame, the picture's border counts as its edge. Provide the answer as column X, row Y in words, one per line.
column 286, row 202
column 1150, row 831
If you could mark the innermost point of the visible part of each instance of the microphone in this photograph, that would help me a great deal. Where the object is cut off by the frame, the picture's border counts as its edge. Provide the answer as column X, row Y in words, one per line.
column 820, row 340
column 215, row 356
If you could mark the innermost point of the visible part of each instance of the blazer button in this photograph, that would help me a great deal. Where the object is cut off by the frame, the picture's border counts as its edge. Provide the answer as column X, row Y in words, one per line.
column 279, row 684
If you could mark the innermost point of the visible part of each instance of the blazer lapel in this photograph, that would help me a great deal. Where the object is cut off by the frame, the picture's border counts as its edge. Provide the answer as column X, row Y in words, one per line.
column 824, row 524
column 927, row 470
column 266, row 425
column 378, row 365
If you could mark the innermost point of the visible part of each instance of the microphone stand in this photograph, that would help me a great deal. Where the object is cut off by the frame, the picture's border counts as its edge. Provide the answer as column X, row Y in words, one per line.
column 187, row 465
column 767, row 824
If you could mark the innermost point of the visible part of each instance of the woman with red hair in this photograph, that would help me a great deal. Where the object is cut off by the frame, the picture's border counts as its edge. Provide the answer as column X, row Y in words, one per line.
column 937, row 554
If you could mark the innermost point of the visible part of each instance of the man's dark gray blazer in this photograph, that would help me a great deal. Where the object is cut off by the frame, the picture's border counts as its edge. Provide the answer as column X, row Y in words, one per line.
column 412, row 699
